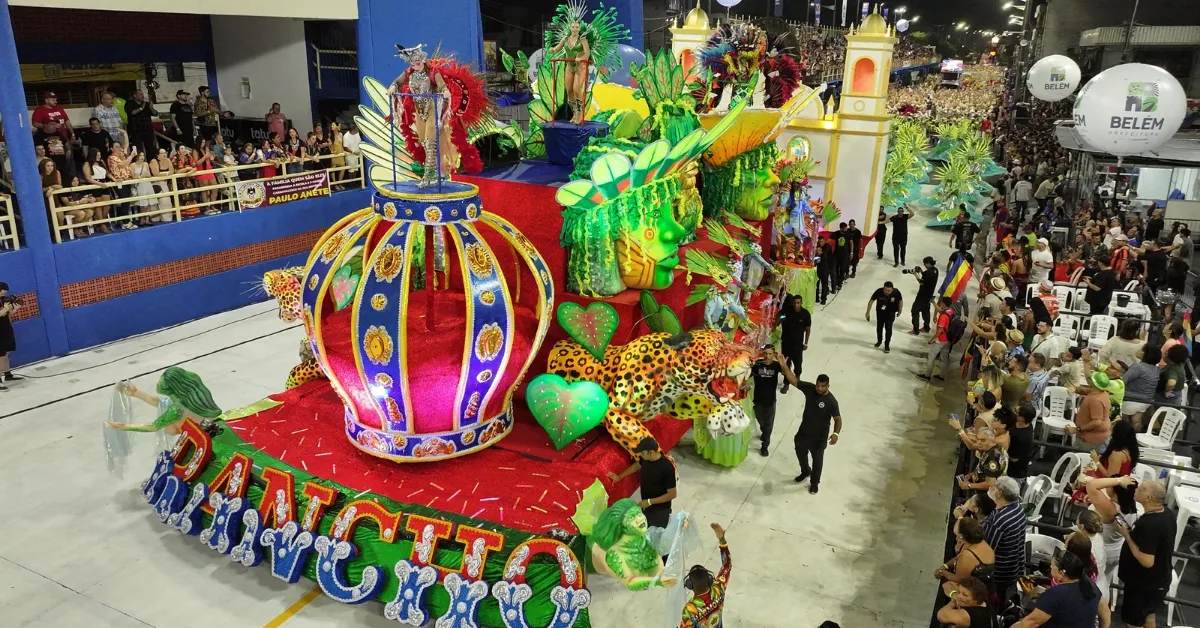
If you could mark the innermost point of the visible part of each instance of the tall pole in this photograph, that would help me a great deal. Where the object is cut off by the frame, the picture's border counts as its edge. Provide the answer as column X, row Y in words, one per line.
column 1128, row 47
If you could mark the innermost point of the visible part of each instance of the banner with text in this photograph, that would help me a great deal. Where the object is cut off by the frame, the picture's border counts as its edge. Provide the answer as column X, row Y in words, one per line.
column 255, row 194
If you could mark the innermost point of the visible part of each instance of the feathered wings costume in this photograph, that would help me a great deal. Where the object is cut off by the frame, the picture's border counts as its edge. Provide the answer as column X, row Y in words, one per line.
column 468, row 102
column 734, row 54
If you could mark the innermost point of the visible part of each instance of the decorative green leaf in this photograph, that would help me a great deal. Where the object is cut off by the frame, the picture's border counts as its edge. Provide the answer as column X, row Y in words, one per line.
column 507, row 60
column 649, row 162
column 581, row 194
column 699, row 293
column 565, row 411
column 670, row 322
column 610, row 173
column 592, row 327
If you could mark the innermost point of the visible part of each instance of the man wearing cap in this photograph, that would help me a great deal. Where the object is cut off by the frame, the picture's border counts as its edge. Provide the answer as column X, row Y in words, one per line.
column 1045, row 307
column 181, row 117
column 888, row 302
column 51, row 112
column 1092, row 419
column 766, row 371
column 206, row 111
column 657, row 481
column 1121, row 254
column 820, row 409
column 1043, row 261
column 140, row 114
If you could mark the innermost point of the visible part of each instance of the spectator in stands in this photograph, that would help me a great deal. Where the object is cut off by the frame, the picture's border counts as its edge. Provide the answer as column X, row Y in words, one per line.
column 293, row 149
column 55, row 147
column 1092, row 419
column 337, row 150
column 1039, row 376
column 974, row 559
column 248, row 157
column 1153, row 258
column 96, row 137
column 276, row 121
column 351, row 141
column 119, row 171
column 1126, row 346
column 182, row 118
column 1073, row 602
column 49, row 112
column 72, row 199
column 1004, row 531
column 140, row 114
column 110, row 118
column 1042, row 259
column 1016, row 383
column 141, row 188
column 968, row 606
column 1023, row 194
column 269, row 157
column 206, row 111
column 1121, row 254
column 1145, row 562
column 185, row 163
column 161, row 166
column 95, row 172
column 206, row 161
column 1141, row 382
column 1101, row 286
column 312, row 150
column 1174, row 375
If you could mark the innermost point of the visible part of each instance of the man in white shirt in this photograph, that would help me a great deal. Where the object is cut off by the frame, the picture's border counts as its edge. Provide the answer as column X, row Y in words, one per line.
column 1047, row 344
column 1043, row 262
column 1023, row 193
column 110, row 118
column 350, row 143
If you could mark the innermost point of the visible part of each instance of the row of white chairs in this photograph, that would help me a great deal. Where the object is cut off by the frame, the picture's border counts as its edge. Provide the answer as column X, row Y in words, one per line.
column 1073, row 298
column 1057, row 410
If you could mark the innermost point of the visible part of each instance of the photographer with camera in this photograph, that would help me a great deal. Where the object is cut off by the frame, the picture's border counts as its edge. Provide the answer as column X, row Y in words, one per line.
column 8, row 341
column 927, row 278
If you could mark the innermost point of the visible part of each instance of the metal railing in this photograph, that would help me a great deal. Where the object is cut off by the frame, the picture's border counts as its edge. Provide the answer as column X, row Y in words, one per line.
column 321, row 64
column 177, row 194
column 9, row 239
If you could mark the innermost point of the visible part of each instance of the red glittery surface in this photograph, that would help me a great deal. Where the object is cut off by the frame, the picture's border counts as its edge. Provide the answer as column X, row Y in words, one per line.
column 526, row 485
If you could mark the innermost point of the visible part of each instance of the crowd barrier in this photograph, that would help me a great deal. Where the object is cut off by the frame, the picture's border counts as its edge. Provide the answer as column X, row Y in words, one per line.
column 9, row 240
column 175, row 196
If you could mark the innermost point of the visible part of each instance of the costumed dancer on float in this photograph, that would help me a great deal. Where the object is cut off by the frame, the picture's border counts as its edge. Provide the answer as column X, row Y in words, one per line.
column 181, row 395
column 446, row 100
column 581, row 44
column 707, row 589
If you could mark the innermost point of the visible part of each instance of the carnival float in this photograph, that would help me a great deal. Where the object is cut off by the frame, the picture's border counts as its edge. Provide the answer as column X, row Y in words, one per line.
column 482, row 349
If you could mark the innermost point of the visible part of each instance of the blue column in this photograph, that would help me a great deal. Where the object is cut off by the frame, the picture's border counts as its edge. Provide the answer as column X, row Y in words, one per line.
column 456, row 24
column 18, row 133
column 629, row 13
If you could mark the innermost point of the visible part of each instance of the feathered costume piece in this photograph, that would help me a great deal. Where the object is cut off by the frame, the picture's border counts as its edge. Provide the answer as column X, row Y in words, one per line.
column 603, row 33
column 468, row 104
column 733, row 56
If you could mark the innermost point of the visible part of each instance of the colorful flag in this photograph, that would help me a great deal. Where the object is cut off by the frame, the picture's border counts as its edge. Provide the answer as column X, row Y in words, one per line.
column 1187, row 331
column 956, row 279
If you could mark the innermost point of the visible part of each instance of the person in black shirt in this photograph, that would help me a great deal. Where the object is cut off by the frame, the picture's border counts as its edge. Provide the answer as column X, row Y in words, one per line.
column 140, row 115
column 796, row 326
column 1100, row 287
column 820, row 408
column 57, row 149
column 1177, row 273
column 181, row 115
column 1155, row 225
column 881, row 233
column 825, row 269
column 657, row 480
column 1145, row 566
column 766, row 372
column 841, row 240
column 97, row 138
column 1154, row 263
column 927, row 279
column 962, row 234
column 855, row 247
column 899, row 235
column 888, row 302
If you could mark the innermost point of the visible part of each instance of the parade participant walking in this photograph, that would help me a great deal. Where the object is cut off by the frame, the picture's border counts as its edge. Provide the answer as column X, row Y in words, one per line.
column 656, row 479
column 820, row 409
column 708, row 590
column 841, row 239
column 766, row 373
column 796, row 326
column 927, row 280
column 899, row 235
column 881, row 233
column 855, row 247
column 888, row 302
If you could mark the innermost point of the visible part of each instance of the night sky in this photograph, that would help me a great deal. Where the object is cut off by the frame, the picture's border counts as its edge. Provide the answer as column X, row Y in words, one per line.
column 981, row 14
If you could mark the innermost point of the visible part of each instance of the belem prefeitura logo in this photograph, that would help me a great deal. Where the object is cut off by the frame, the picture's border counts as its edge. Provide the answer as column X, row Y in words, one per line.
column 1141, row 103
column 1058, row 79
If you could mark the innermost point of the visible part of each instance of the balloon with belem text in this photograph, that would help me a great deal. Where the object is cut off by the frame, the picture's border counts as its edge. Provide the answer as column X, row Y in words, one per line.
column 535, row 60
column 1130, row 109
column 629, row 56
column 1053, row 78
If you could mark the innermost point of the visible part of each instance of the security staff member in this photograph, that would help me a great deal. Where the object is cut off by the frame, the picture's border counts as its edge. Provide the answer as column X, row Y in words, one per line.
column 820, row 408
column 795, row 329
column 927, row 279
column 881, row 233
column 888, row 302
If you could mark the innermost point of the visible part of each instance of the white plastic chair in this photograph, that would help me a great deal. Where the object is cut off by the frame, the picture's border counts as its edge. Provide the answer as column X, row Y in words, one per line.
column 1040, row 548
column 1101, row 329
column 1031, row 293
column 1066, row 296
column 1057, row 412
column 1064, row 470
column 1172, row 592
column 1169, row 421
column 1067, row 326
column 1035, row 495
column 1144, row 472
column 1081, row 299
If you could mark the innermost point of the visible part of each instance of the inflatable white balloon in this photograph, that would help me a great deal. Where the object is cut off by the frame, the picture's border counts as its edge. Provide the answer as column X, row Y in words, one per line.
column 901, row 25
column 1130, row 109
column 535, row 60
column 1053, row 78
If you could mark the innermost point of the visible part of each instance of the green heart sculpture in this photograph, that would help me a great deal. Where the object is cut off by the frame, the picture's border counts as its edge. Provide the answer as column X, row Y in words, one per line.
column 565, row 411
column 345, row 284
column 592, row 327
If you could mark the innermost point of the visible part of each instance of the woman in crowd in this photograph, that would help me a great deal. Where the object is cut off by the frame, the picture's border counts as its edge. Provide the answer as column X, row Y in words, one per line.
column 1141, row 382
column 248, row 157
column 51, row 183
column 968, row 606
column 1126, row 346
column 312, row 153
column 1175, row 336
column 293, row 148
column 96, row 173
column 185, row 163
column 268, row 156
column 337, row 150
column 1020, row 442
column 72, row 199
column 975, row 559
column 141, row 188
column 161, row 166
column 1088, row 526
column 120, row 171
column 205, row 179
column 1073, row 601
column 1111, row 497
column 1119, row 457
column 1174, row 375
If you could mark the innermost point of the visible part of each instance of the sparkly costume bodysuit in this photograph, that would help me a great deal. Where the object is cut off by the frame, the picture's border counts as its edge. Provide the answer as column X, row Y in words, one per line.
column 419, row 83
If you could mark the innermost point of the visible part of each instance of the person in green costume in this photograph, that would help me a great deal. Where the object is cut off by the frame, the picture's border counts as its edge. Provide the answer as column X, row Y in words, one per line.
column 181, row 395
column 620, row 548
